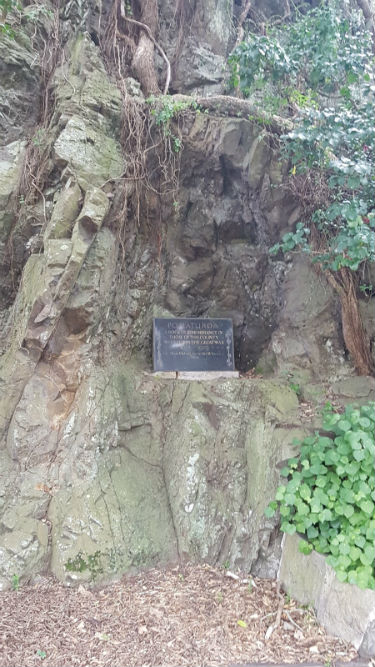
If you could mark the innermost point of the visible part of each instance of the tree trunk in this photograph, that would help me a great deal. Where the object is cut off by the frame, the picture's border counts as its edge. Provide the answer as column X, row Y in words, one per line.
column 369, row 18
column 143, row 60
column 354, row 333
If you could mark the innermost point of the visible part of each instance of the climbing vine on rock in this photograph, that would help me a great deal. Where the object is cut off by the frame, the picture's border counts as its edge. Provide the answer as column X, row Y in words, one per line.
column 318, row 70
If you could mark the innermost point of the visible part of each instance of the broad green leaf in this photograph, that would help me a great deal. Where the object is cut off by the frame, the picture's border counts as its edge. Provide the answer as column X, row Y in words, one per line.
column 341, row 575
column 270, row 510
column 367, row 506
column 302, row 508
column 305, row 547
column 288, row 528
column 346, row 495
column 325, row 515
column 312, row 532
column 344, row 425
column 305, row 491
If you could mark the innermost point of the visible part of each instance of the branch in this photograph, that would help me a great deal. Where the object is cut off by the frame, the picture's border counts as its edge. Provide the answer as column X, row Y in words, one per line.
column 227, row 105
column 245, row 8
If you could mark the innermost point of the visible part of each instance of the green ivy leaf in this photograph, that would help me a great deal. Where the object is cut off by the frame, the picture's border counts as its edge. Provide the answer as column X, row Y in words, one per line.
column 325, row 515
column 288, row 528
column 367, row 506
column 332, row 503
column 341, row 575
column 305, row 547
column 312, row 532
column 368, row 556
column 270, row 510
column 305, row 492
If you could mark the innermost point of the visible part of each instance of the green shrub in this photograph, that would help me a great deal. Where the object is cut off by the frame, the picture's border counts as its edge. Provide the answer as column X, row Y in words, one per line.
column 329, row 495
column 319, row 69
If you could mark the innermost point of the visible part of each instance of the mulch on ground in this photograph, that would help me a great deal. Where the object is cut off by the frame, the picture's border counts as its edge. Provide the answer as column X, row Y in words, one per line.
column 186, row 615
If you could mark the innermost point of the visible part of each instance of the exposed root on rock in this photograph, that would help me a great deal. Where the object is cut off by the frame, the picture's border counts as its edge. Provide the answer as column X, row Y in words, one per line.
column 344, row 282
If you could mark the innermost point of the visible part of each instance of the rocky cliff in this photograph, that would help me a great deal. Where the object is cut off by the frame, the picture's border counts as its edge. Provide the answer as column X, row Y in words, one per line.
column 104, row 466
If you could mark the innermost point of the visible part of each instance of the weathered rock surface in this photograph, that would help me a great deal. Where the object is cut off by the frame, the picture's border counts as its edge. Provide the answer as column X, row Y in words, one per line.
column 105, row 467
column 343, row 609
column 19, row 79
column 144, row 471
column 307, row 338
column 197, row 38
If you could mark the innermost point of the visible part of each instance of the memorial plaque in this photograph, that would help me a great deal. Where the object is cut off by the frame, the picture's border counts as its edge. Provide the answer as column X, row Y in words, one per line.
column 193, row 344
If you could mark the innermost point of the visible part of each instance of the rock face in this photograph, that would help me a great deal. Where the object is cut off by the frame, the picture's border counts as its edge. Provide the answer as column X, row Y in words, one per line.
column 105, row 467
column 343, row 609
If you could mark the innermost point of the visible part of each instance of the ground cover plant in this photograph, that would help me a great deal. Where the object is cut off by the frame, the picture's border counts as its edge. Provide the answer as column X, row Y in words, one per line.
column 329, row 494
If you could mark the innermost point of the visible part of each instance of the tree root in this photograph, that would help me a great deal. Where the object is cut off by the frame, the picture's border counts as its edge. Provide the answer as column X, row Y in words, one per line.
column 225, row 105
column 354, row 333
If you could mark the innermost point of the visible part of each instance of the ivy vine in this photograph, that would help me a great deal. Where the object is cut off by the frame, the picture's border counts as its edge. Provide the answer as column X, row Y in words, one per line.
column 329, row 495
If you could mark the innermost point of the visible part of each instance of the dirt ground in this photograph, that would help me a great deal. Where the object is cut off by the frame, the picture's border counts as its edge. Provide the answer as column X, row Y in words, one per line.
column 186, row 615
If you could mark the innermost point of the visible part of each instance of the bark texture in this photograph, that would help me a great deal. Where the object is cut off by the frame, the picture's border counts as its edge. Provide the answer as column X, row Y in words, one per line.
column 143, row 60
column 355, row 335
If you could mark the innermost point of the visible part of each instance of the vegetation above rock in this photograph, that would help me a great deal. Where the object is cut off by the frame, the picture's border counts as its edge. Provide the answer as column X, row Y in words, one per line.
column 318, row 69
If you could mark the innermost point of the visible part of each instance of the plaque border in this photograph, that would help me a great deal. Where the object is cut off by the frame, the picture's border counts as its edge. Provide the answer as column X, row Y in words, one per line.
column 197, row 319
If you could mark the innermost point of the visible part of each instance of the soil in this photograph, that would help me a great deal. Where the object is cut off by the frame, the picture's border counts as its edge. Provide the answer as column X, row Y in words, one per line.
column 186, row 615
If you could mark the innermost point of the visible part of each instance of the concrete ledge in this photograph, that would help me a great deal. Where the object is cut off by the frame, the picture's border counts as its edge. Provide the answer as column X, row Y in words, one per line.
column 206, row 375
column 345, row 611
column 194, row 375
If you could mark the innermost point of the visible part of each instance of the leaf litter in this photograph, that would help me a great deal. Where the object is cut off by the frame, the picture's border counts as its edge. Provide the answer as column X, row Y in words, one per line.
column 193, row 615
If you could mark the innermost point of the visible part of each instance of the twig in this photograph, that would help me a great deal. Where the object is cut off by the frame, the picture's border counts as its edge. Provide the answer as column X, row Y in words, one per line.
column 291, row 620
column 280, row 608
column 245, row 8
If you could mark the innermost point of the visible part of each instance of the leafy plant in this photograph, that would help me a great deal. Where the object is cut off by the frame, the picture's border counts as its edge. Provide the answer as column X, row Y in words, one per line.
column 5, row 7
column 164, row 109
column 309, row 57
column 35, row 12
column 294, row 386
column 39, row 138
column 320, row 70
column 15, row 582
column 81, row 563
column 31, row 15
column 329, row 495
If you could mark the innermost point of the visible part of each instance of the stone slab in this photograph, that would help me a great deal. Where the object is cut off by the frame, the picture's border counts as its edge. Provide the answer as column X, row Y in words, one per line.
column 356, row 387
column 345, row 610
column 192, row 344
column 206, row 375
